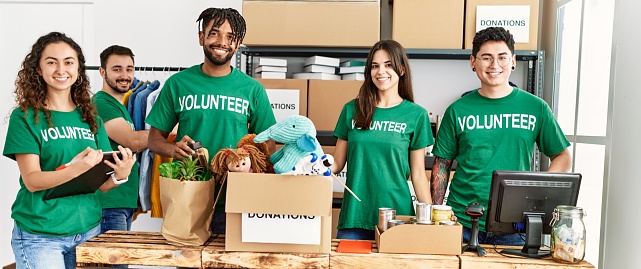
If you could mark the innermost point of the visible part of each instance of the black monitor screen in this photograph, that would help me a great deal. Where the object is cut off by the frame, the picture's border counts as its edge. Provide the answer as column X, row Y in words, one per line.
column 518, row 197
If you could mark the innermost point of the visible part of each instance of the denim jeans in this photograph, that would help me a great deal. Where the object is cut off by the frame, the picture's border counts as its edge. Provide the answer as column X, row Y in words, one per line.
column 116, row 219
column 495, row 239
column 42, row 251
column 218, row 222
column 355, row 234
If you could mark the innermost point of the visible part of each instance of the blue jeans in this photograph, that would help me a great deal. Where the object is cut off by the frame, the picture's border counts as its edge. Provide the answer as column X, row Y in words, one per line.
column 355, row 234
column 495, row 239
column 218, row 222
column 42, row 251
column 116, row 219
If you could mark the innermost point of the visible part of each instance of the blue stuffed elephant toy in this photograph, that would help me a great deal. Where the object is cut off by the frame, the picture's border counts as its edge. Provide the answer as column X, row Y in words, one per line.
column 298, row 136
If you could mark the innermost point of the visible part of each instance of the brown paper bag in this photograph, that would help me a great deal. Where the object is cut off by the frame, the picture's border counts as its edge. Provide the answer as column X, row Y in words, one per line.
column 187, row 208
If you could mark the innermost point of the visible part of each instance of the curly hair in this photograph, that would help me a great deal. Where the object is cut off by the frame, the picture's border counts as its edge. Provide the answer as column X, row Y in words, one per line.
column 492, row 34
column 31, row 88
column 219, row 16
column 368, row 94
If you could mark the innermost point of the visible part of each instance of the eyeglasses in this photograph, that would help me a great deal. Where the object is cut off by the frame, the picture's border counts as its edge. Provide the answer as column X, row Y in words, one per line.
column 487, row 61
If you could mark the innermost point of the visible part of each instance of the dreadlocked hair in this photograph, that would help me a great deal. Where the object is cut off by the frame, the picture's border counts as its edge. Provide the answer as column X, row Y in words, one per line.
column 31, row 88
column 220, row 15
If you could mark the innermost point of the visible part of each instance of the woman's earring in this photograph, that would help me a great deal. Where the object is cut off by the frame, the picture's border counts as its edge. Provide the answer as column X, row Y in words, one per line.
column 473, row 69
column 513, row 68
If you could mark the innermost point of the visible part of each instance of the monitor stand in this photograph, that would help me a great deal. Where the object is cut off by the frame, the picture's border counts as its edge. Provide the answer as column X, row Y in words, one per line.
column 533, row 233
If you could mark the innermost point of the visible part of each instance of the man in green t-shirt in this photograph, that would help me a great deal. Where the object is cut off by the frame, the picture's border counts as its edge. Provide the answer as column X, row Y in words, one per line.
column 117, row 71
column 212, row 102
column 492, row 128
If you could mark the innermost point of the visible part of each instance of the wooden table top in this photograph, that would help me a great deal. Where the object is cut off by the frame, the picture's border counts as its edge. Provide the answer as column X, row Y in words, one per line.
column 494, row 260
column 151, row 249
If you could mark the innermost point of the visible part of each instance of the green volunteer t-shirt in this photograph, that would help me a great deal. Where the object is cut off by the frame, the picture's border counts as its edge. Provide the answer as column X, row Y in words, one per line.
column 485, row 134
column 55, row 145
column 217, row 111
column 378, row 161
column 126, row 195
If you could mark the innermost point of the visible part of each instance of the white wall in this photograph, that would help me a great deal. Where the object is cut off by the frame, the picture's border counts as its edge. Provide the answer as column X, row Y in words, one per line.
column 621, row 217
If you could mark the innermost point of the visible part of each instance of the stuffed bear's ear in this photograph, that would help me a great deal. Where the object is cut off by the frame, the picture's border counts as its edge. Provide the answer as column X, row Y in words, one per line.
column 306, row 143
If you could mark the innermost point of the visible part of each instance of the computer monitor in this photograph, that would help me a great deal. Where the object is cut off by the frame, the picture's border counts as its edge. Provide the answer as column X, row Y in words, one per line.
column 518, row 197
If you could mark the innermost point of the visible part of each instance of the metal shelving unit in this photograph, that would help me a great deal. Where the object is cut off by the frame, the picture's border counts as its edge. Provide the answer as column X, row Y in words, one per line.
column 533, row 58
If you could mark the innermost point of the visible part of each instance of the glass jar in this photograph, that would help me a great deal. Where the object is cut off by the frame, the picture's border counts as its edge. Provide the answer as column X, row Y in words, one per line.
column 441, row 213
column 568, row 234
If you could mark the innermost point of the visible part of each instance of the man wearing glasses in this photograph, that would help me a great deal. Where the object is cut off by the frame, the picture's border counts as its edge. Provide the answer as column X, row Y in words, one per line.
column 492, row 128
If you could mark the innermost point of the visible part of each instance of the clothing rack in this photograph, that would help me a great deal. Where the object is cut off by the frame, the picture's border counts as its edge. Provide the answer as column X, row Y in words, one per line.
column 146, row 68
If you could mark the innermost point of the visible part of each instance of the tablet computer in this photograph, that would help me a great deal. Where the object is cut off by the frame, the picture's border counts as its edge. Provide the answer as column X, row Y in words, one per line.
column 88, row 182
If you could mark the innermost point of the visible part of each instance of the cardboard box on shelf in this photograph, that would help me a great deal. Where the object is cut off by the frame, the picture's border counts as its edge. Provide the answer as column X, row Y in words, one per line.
column 428, row 24
column 326, row 100
column 281, row 201
column 420, row 239
column 310, row 23
column 509, row 13
column 281, row 92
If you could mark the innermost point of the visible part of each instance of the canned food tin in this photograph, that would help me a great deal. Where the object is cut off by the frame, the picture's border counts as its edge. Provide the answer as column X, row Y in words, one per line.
column 384, row 215
column 441, row 213
column 423, row 212
column 425, row 222
column 447, row 222
column 412, row 220
column 394, row 222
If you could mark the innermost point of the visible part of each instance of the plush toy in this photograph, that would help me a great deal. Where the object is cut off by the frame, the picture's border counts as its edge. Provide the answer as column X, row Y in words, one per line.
column 247, row 159
column 314, row 165
column 248, row 139
column 298, row 136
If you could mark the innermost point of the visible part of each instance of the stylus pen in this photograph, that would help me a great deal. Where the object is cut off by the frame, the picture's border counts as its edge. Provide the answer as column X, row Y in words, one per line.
column 67, row 164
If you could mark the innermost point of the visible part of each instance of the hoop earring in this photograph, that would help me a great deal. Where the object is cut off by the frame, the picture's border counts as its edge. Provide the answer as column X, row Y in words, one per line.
column 513, row 68
column 473, row 69
column 78, row 81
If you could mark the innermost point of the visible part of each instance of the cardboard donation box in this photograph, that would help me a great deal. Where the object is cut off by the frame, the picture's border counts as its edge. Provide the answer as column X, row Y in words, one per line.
column 428, row 24
column 520, row 17
column 318, row 23
column 278, row 213
column 420, row 239
column 326, row 100
column 287, row 96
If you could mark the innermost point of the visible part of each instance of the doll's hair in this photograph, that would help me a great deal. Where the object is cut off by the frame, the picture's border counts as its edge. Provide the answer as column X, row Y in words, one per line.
column 228, row 155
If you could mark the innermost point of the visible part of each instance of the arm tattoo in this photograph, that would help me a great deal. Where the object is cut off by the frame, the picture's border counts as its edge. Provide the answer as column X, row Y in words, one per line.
column 439, row 179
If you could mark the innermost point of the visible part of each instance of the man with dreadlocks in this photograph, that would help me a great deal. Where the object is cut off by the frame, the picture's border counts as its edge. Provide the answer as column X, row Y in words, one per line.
column 211, row 102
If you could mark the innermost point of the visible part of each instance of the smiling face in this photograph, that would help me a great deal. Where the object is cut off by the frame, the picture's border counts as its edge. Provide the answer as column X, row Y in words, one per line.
column 488, row 63
column 119, row 73
column 219, row 44
column 59, row 66
column 383, row 74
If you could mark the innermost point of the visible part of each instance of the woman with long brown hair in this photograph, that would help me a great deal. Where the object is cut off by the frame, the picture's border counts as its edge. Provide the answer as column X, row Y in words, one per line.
column 383, row 135
column 53, row 124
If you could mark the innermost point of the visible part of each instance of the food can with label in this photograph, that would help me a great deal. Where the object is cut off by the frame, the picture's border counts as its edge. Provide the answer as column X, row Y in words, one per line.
column 385, row 214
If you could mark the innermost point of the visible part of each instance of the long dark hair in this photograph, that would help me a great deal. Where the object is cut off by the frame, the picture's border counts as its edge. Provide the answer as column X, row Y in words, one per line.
column 368, row 94
column 31, row 89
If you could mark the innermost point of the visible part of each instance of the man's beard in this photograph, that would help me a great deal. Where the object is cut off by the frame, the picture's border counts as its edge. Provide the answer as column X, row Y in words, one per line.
column 114, row 86
column 218, row 62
